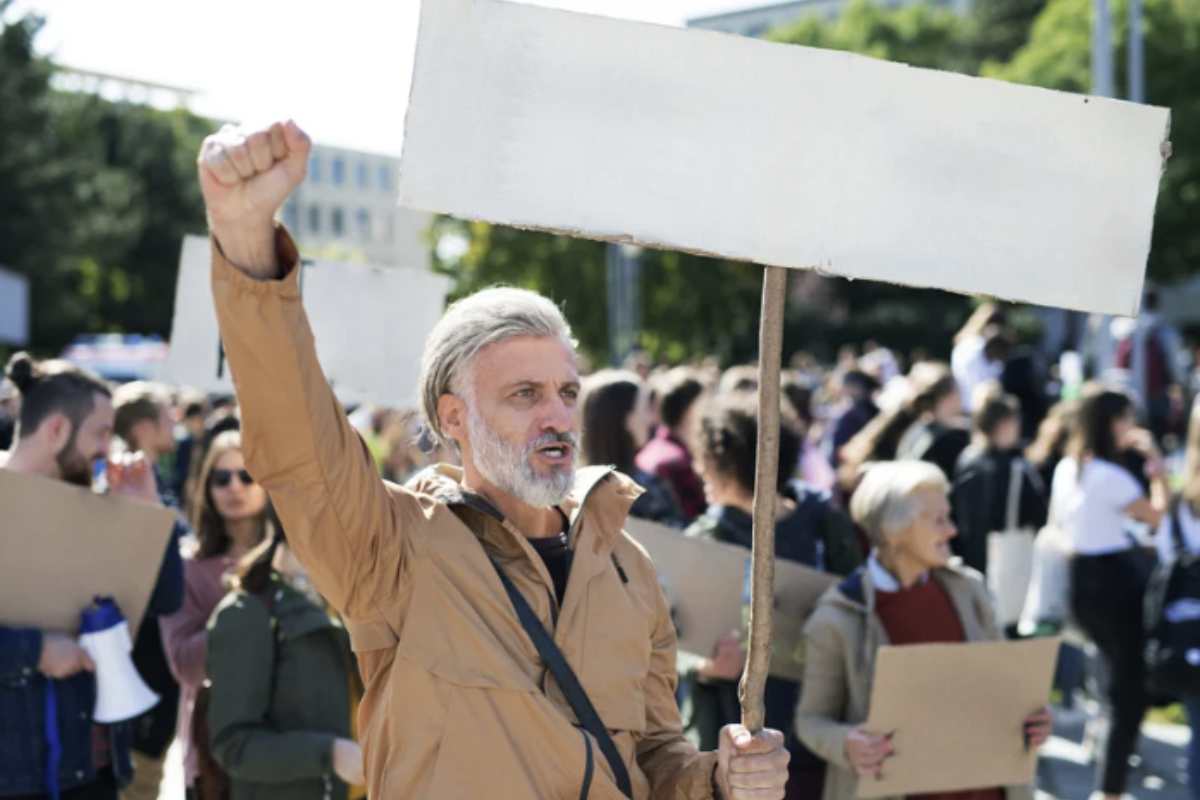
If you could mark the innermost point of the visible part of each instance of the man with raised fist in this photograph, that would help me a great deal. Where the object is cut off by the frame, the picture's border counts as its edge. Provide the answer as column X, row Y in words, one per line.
column 513, row 640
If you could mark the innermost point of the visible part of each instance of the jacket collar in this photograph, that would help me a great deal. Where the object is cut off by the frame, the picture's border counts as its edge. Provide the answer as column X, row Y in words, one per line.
column 600, row 495
column 857, row 591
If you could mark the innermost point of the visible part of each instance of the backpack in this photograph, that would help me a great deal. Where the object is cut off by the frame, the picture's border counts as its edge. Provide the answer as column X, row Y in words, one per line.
column 1172, row 619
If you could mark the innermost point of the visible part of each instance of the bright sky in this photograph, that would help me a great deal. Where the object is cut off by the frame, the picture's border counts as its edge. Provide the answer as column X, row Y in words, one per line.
column 341, row 71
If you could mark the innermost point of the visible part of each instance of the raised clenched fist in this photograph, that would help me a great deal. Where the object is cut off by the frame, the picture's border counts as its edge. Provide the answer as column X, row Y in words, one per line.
column 245, row 179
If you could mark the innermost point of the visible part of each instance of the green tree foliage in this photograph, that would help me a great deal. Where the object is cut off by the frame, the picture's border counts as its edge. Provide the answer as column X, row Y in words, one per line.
column 94, row 198
column 1058, row 55
column 920, row 35
column 1001, row 27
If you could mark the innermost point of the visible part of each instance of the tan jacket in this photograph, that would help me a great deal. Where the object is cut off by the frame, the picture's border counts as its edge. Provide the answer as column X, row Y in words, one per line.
column 458, row 703
column 842, row 637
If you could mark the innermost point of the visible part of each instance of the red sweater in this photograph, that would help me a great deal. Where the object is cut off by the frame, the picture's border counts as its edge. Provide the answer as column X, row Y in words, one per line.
column 925, row 614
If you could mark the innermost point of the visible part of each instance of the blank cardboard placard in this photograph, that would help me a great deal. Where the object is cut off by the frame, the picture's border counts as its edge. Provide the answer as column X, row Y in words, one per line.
column 61, row 545
column 705, row 580
column 783, row 155
column 370, row 325
column 958, row 712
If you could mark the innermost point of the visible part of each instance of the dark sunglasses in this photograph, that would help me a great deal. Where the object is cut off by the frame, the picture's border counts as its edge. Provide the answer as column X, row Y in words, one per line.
column 223, row 477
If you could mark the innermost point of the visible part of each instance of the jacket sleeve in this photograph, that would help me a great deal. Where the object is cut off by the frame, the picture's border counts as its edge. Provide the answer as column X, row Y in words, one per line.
column 675, row 768
column 824, row 693
column 341, row 521
column 20, row 652
column 184, row 634
column 167, row 597
column 241, row 666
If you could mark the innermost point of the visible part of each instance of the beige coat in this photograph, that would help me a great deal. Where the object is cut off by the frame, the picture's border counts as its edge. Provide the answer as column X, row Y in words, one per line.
column 842, row 638
column 458, row 703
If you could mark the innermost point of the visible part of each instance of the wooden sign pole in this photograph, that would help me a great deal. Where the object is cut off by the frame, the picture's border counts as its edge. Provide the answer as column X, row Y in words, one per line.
column 766, row 480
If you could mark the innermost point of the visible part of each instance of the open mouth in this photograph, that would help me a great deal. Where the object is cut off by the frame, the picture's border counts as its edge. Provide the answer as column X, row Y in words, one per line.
column 555, row 452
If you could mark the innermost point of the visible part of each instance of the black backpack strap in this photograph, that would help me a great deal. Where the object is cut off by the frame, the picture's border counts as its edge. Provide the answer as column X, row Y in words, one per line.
column 565, row 677
column 1177, row 530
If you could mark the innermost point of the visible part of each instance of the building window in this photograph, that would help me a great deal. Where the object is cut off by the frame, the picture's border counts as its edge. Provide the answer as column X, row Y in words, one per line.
column 339, row 171
column 339, row 222
column 385, row 178
column 314, row 168
column 362, row 221
column 291, row 216
column 314, row 219
column 362, row 175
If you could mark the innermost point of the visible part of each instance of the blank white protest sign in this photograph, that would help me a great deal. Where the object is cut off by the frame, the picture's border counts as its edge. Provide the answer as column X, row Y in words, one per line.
column 783, row 155
column 369, row 323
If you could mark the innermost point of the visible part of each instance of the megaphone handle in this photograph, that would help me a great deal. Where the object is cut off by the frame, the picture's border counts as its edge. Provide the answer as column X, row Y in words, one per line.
column 53, row 743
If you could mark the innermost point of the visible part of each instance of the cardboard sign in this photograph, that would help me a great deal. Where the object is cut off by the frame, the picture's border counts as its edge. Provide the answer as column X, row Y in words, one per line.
column 957, row 711
column 783, row 155
column 62, row 545
column 706, row 584
column 370, row 325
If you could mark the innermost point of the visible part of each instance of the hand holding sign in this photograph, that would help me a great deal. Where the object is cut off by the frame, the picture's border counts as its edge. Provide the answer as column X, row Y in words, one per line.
column 867, row 751
column 245, row 178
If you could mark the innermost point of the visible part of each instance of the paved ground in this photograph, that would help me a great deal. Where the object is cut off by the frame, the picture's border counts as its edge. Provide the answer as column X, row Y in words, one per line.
column 1066, row 771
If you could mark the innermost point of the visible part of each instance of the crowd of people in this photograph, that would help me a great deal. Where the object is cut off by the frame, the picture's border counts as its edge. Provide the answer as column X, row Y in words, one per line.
column 338, row 576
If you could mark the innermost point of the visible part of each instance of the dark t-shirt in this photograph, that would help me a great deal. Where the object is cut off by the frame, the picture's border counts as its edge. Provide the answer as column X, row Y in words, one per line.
column 556, row 555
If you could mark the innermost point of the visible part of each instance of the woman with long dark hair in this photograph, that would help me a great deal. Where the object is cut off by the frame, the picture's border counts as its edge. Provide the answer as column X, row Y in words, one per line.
column 284, row 685
column 1094, row 499
column 809, row 530
column 616, row 423
column 229, row 518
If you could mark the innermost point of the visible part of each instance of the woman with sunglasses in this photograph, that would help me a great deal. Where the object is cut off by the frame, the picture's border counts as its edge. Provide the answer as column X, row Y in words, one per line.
column 230, row 518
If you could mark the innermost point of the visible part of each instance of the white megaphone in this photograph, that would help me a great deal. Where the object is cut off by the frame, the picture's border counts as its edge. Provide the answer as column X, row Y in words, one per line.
column 121, row 693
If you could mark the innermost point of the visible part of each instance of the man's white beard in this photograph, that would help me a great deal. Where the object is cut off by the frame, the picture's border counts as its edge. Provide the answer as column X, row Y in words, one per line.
column 510, row 468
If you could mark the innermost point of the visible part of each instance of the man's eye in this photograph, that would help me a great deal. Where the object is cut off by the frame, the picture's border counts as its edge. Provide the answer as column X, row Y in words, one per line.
column 525, row 393
column 571, row 394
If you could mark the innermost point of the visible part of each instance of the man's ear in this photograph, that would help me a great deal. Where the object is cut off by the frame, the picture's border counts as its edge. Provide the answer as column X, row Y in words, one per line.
column 452, row 416
column 57, row 429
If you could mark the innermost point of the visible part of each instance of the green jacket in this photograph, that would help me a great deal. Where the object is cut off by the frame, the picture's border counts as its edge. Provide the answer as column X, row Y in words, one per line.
column 280, row 695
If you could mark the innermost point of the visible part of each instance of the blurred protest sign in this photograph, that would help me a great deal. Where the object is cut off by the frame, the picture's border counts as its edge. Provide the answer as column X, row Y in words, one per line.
column 61, row 545
column 370, row 325
column 706, row 583
column 14, row 308
column 779, row 154
column 958, row 713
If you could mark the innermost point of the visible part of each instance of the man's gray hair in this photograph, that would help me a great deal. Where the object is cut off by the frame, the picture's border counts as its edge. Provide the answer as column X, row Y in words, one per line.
column 884, row 503
column 468, row 326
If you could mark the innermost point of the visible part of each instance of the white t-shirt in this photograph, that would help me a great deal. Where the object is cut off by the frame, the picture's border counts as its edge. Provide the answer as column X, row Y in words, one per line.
column 1092, row 510
column 1189, row 526
column 971, row 368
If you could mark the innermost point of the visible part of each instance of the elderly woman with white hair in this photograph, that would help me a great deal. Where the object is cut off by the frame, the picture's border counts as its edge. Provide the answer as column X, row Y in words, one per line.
column 909, row 592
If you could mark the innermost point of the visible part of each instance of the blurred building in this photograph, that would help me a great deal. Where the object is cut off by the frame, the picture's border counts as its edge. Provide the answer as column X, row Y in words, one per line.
column 757, row 20
column 346, row 208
